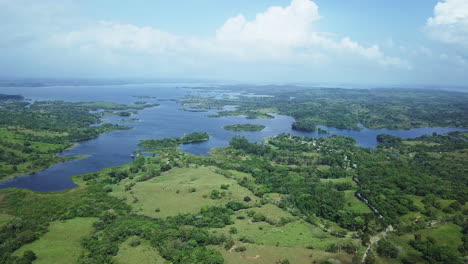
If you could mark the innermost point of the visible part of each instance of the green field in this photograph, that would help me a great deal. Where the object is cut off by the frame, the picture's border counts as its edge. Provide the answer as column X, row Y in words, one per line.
column 447, row 235
column 353, row 204
column 62, row 243
column 172, row 192
column 266, row 254
column 140, row 254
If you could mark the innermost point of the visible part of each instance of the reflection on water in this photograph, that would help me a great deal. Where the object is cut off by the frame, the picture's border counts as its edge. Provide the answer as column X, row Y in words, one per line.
column 166, row 120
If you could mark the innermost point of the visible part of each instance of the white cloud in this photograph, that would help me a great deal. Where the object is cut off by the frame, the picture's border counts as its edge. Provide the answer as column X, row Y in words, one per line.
column 450, row 22
column 280, row 34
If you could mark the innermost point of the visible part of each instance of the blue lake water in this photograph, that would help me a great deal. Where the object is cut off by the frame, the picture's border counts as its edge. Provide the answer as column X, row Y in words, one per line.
column 166, row 120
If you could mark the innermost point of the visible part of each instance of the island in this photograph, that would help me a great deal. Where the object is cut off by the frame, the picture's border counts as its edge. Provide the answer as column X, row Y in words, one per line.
column 172, row 143
column 244, row 127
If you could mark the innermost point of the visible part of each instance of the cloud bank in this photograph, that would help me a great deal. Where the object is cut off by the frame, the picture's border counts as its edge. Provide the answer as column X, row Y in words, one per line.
column 51, row 38
column 450, row 22
column 280, row 35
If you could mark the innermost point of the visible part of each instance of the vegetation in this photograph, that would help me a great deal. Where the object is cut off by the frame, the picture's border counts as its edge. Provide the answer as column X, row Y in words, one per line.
column 346, row 108
column 244, row 127
column 62, row 243
column 288, row 199
column 31, row 134
column 167, row 144
column 14, row 97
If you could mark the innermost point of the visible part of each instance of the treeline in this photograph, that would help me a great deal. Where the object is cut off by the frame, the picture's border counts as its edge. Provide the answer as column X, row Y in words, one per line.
column 16, row 97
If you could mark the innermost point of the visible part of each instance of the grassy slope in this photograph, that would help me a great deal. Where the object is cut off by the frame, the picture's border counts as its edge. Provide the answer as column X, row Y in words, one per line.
column 62, row 243
column 140, row 254
column 161, row 192
column 263, row 254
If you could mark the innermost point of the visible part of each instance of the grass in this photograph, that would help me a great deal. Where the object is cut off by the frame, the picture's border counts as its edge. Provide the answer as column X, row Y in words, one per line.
column 294, row 234
column 180, row 190
column 338, row 180
column 272, row 212
column 267, row 254
column 416, row 142
column 353, row 204
column 140, row 254
column 447, row 235
column 62, row 243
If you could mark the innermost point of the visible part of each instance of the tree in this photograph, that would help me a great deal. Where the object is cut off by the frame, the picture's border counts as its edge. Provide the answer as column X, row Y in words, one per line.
column 386, row 249
column 29, row 256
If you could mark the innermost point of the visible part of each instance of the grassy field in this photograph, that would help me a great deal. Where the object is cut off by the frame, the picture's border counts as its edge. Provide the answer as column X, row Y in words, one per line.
column 184, row 190
column 294, row 234
column 353, row 204
column 62, row 243
column 447, row 235
column 140, row 254
column 266, row 254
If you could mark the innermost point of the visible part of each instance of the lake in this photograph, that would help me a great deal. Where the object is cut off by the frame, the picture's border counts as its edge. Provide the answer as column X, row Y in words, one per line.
column 166, row 120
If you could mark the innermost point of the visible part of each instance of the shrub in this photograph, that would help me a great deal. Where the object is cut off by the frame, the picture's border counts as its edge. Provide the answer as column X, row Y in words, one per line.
column 241, row 249
column 107, row 188
column 233, row 230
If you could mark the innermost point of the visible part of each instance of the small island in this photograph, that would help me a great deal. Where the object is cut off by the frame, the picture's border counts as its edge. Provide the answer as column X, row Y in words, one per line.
column 244, row 127
column 173, row 142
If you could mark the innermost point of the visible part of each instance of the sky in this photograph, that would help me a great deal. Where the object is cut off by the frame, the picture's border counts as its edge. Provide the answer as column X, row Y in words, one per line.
column 398, row 42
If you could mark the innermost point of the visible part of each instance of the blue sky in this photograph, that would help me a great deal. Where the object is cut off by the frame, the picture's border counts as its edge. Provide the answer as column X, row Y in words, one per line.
column 420, row 42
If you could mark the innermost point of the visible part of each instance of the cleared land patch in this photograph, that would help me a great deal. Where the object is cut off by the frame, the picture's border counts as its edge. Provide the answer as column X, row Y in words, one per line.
column 181, row 190
column 62, row 243
column 138, row 254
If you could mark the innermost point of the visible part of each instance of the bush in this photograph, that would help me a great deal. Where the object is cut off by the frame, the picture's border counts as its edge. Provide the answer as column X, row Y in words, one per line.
column 258, row 217
column 29, row 256
column 236, row 205
column 245, row 239
column 229, row 244
column 241, row 249
column 215, row 194
column 233, row 230
column 134, row 242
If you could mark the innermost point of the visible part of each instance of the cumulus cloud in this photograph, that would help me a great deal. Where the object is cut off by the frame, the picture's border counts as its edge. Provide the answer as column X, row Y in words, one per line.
column 280, row 34
column 450, row 22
